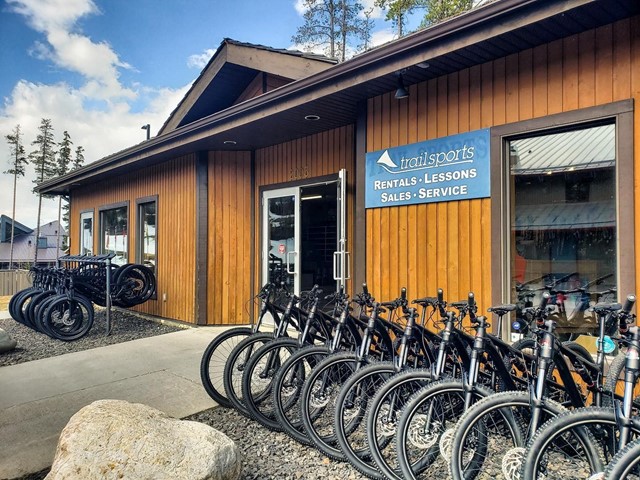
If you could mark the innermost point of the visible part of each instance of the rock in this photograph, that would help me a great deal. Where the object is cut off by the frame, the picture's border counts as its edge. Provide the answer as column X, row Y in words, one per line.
column 113, row 439
column 6, row 342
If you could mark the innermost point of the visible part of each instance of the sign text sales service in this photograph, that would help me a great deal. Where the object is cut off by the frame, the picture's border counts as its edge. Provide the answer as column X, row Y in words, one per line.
column 440, row 170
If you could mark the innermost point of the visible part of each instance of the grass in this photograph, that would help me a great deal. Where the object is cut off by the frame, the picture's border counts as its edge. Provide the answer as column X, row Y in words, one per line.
column 4, row 302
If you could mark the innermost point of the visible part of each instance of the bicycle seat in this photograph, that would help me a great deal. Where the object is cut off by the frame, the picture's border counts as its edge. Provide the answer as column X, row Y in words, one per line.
column 501, row 310
column 604, row 308
column 426, row 301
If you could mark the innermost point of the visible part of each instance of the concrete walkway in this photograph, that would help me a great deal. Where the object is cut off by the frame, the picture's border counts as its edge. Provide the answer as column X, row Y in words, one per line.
column 37, row 398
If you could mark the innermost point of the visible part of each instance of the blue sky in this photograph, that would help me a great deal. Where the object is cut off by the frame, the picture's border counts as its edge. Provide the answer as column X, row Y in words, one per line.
column 101, row 69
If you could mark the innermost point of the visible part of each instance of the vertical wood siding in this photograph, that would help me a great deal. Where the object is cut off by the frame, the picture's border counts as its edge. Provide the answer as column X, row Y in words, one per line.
column 174, row 184
column 230, row 236
column 448, row 245
column 304, row 159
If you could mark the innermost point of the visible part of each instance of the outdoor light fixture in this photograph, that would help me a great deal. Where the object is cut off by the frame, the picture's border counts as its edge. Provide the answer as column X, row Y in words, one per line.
column 401, row 92
column 230, row 142
column 312, row 117
column 423, row 65
column 147, row 127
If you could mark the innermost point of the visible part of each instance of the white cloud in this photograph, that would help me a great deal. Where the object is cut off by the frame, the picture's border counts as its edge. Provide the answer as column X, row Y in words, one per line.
column 200, row 60
column 44, row 15
column 299, row 6
column 100, row 132
column 69, row 49
column 376, row 12
column 98, row 113
column 381, row 37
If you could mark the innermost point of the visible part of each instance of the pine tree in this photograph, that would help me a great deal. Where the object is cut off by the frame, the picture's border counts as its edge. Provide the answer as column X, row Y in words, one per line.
column 438, row 10
column 78, row 161
column 43, row 158
column 18, row 162
column 63, row 166
column 399, row 10
column 332, row 24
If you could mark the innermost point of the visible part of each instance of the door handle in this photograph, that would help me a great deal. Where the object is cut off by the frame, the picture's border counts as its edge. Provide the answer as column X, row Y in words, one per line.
column 289, row 262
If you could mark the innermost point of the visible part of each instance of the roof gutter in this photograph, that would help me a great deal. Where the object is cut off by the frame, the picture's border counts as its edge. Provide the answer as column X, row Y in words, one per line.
column 379, row 61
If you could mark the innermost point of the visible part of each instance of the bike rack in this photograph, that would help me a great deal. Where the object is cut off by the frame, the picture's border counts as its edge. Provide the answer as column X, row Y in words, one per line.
column 105, row 260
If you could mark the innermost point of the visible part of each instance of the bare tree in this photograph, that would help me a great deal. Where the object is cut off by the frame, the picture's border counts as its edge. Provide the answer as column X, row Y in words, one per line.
column 43, row 159
column 332, row 24
column 398, row 11
column 18, row 162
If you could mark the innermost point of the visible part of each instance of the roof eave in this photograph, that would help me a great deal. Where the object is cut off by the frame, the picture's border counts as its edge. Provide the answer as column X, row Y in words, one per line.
column 380, row 60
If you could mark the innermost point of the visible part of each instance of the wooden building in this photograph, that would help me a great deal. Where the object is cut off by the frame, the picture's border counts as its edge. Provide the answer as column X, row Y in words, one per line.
column 509, row 165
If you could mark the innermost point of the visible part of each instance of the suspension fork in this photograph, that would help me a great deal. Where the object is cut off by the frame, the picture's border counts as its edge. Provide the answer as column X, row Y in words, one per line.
column 364, row 348
column 337, row 336
column 442, row 349
column 470, row 379
column 546, row 354
column 632, row 366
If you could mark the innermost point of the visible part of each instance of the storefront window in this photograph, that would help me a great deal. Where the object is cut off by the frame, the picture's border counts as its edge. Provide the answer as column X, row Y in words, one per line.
column 113, row 233
column 147, row 234
column 563, row 222
column 86, row 233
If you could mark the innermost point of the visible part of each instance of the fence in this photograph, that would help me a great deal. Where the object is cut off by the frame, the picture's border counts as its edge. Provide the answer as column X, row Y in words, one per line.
column 12, row 281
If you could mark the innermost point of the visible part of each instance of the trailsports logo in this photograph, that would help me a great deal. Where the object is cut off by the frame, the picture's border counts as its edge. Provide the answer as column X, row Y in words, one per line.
column 450, row 168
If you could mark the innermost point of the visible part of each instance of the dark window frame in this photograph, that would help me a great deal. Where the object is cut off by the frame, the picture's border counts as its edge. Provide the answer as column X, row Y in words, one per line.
column 620, row 113
column 113, row 206
column 139, row 202
column 93, row 228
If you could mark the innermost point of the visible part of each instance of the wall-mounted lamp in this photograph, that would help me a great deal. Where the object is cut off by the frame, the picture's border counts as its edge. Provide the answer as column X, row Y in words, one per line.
column 401, row 91
column 147, row 127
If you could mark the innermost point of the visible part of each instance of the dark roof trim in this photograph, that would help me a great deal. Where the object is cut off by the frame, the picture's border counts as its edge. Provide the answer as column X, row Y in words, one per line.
column 217, row 62
column 483, row 22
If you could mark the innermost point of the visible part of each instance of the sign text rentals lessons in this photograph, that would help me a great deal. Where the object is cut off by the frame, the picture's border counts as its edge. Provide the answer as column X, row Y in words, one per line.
column 440, row 170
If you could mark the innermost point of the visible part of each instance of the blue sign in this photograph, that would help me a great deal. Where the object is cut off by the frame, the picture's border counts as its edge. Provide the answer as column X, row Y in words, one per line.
column 450, row 168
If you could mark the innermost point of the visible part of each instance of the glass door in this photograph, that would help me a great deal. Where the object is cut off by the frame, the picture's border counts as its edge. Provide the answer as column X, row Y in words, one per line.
column 304, row 236
column 281, row 237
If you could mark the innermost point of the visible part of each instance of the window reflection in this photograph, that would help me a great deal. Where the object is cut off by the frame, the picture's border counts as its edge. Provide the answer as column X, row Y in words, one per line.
column 114, row 238
column 281, row 227
column 563, row 222
column 86, row 233
column 147, row 234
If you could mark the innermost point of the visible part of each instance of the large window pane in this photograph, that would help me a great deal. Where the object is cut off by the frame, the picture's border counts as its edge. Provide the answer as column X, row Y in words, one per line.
column 114, row 237
column 563, row 222
column 147, row 234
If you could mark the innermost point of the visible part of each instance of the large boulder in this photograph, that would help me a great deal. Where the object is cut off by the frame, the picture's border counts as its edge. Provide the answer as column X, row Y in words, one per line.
column 113, row 439
column 6, row 342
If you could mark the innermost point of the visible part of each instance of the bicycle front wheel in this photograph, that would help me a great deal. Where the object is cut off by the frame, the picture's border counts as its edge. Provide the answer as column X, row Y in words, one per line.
column 287, row 389
column 318, row 403
column 68, row 318
column 426, row 427
column 384, row 413
column 213, row 360
column 490, row 437
column 258, row 377
column 351, row 407
column 575, row 444
column 235, row 365
column 626, row 464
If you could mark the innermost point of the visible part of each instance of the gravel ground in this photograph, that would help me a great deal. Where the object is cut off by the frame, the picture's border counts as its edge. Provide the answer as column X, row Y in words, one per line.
column 273, row 455
column 33, row 345
column 268, row 455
